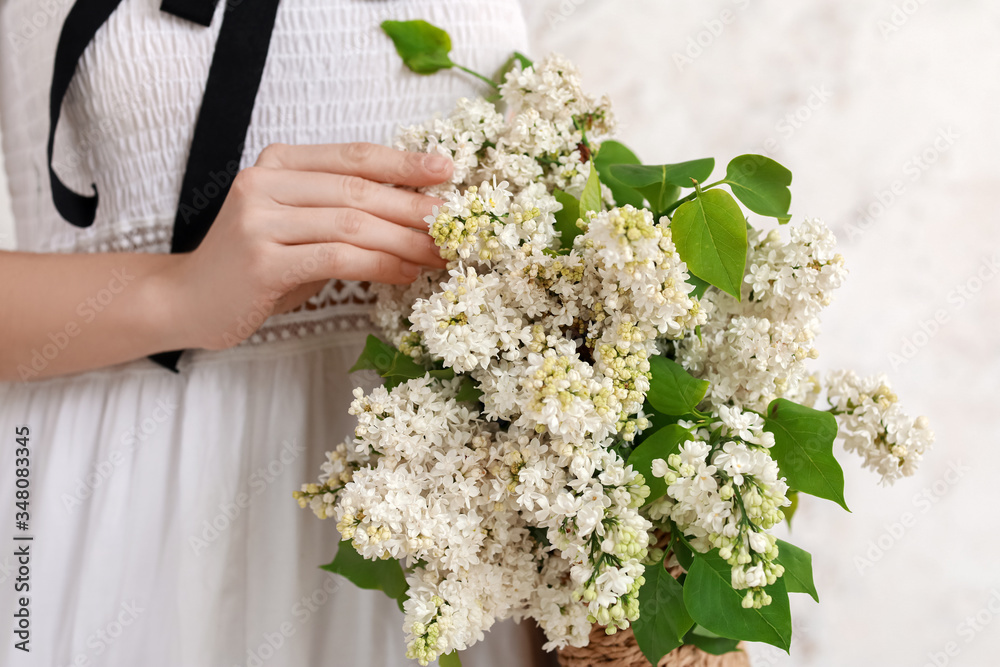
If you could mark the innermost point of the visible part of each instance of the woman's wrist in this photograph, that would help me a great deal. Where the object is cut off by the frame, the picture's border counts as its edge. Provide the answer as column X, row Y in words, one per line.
column 166, row 305
column 77, row 312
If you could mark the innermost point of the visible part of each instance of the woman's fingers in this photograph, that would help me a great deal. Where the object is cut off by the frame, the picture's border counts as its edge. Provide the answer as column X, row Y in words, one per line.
column 293, row 226
column 333, row 217
column 369, row 161
column 310, row 188
column 342, row 261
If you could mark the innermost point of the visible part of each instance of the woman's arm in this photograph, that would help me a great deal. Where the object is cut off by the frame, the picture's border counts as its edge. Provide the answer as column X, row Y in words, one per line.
column 66, row 313
column 301, row 216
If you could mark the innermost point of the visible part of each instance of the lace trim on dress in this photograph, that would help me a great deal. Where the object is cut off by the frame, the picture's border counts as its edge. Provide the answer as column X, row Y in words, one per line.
column 303, row 323
column 341, row 306
column 154, row 237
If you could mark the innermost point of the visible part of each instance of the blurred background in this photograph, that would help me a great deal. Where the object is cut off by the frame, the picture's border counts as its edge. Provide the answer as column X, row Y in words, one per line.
column 886, row 114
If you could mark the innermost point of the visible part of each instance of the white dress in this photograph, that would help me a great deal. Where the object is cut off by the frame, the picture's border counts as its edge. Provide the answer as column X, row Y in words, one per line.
column 164, row 529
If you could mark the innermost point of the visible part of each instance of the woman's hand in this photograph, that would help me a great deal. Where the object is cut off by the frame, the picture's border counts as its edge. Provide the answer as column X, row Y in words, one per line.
column 301, row 216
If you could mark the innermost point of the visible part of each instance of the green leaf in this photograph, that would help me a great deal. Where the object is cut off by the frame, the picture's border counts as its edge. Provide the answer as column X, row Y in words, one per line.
column 663, row 197
column 663, row 619
column 699, row 286
column 761, row 184
column 790, row 510
column 525, row 61
column 710, row 233
column 591, row 199
column 681, row 550
column 377, row 356
column 680, row 174
column 469, row 391
column 715, row 605
column 803, row 449
column 672, row 390
column 659, row 445
column 709, row 642
column 566, row 218
column 442, row 373
column 381, row 575
column 403, row 366
column 614, row 153
column 423, row 47
column 657, row 421
column 661, row 184
column 393, row 365
column 450, row 660
column 798, row 569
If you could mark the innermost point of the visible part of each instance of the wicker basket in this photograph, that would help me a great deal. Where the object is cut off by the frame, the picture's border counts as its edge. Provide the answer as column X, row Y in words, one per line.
column 622, row 650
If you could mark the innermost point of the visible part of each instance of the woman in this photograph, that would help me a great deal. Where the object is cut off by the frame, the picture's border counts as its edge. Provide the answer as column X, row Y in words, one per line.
column 160, row 506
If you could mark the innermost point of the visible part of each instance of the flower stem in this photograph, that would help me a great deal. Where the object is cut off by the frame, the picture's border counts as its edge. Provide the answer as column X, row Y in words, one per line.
column 698, row 189
column 670, row 209
column 492, row 83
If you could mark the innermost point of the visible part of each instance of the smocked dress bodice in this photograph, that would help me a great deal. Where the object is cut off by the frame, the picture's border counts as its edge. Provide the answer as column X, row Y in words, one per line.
column 129, row 116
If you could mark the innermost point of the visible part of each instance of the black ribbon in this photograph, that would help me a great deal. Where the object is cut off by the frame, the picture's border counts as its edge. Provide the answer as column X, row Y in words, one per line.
column 196, row 11
column 217, row 146
column 82, row 23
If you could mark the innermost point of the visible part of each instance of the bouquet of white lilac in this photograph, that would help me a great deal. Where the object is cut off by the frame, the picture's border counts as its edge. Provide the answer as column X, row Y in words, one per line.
column 608, row 360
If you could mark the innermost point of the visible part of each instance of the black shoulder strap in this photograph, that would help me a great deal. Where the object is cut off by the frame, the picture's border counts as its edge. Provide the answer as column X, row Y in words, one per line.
column 217, row 146
column 233, row 79
column 82, row 23
column 196, row 11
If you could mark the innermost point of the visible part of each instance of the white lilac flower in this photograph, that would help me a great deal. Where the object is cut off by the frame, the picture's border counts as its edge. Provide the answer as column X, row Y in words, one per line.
column 754, row 350
column 519, row 505
column 394, row 306
column 338, row 470
column 468, row 323
column 726, row 496
column 874, row 426
column 461, row 136
column 561, row 394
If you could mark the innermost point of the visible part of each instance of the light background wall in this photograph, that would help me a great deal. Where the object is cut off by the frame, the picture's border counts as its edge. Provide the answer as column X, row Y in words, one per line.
column 851, row 95
column 884, row 80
